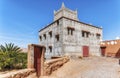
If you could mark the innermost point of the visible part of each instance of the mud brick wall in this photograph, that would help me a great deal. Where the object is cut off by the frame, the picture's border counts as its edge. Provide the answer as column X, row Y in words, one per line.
column 54, row 64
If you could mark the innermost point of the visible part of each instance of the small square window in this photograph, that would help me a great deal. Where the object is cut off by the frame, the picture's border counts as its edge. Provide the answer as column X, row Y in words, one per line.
column 50, row 33
column 83, row 34
column 87, row 34
column 44, row 36
column 40, row 38
column 57, row 22
column 98, row 36
column 50, row 48
column 57, row 37
column 70, row 30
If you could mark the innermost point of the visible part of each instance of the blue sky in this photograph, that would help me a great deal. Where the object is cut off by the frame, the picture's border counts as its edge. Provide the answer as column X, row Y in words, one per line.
column 20, row 20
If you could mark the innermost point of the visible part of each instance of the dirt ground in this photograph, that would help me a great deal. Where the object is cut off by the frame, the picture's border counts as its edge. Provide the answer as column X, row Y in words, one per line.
column 90, row 67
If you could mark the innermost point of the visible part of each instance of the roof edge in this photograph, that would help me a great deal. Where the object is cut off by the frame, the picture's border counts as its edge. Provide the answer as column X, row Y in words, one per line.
column 69, row 19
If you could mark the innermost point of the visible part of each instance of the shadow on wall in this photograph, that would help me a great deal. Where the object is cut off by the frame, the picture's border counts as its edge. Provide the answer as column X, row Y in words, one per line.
column 118, row 54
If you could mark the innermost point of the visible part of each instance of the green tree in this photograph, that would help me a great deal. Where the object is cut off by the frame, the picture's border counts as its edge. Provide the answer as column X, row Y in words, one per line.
column 9, row 48
column 22, row 60
column 11, row 57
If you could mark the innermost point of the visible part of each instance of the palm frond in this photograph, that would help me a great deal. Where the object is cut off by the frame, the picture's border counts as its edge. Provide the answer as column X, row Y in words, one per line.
column 10, row 48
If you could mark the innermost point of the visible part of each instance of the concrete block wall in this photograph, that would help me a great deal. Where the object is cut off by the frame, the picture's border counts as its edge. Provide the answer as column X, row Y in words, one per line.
column 73, row 43
column 51, row 41
column 70, row 44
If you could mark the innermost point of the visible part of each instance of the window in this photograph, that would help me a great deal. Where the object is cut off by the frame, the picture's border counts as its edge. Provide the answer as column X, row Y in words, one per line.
column 85, row 33
column 40, row 38
column 50, row 33
column 98, row 36
column 57, row 37
column 44, row 36
column 70, row 30
column 57, row 22
column 50, row 48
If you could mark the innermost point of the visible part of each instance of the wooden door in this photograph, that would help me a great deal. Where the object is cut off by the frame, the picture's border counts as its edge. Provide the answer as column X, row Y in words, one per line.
column 103, row 51
column 37, row 59
column 85, row 51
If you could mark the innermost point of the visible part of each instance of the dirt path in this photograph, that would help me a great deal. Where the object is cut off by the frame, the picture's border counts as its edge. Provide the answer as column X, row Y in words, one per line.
column 92, row 67
column 96, row 67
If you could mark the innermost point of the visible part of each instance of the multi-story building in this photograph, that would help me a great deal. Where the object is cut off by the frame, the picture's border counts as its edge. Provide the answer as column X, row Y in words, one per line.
column 66, row 35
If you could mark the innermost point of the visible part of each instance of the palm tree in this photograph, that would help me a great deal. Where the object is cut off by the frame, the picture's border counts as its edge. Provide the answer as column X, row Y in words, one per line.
column 9, row 48
column 9, row 55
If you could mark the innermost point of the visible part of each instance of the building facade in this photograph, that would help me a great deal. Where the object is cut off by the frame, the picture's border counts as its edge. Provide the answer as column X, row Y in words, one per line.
column 66, row 35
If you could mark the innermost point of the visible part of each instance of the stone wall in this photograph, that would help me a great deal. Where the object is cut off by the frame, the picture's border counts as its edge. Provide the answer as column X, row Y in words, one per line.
column 56, row 29
column 54, row 64
column 18, row 74
column 74, row 43
column 70, row 43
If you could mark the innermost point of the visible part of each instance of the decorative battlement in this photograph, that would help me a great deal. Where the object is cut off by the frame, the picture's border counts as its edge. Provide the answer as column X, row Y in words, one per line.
column 65, row 12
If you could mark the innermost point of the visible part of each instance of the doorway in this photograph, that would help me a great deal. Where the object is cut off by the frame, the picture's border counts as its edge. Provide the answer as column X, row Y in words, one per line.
column 85, row 51
column 103, row 50
column 36, row 58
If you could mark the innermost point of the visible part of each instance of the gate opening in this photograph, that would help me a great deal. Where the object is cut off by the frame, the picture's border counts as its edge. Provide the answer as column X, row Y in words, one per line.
column 36, row 58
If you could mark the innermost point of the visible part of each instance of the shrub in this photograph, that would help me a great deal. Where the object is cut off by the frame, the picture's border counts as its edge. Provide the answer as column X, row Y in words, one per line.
column 11, row 57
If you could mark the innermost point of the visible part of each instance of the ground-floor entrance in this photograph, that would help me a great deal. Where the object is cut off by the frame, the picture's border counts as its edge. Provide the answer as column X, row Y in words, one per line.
column 103, row 51
column 85, row 51
column 36, row 58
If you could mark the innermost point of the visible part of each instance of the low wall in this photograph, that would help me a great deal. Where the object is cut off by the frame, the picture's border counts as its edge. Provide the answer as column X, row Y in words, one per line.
column 18, row 74
column 54, row 64
column 49, row 67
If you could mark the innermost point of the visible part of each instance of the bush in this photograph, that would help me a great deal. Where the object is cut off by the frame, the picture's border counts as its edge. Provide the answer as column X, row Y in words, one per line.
column 12, row 58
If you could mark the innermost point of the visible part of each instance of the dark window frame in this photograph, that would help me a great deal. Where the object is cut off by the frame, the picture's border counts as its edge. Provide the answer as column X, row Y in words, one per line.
column 70, row 30
column 58, row 22
column 57, row 37
column 50, row 48
column 44, row 36
column 50, row 33
column 40, row 38
column 98, row 35
column 85, row 32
